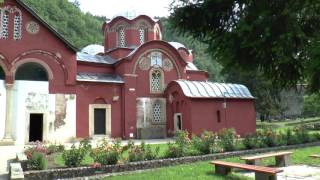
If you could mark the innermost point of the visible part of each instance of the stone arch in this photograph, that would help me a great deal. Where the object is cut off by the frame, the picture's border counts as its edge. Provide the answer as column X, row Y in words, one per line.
column 159, row 50
column 55, row 57
column 32, row 60
column 3, row 65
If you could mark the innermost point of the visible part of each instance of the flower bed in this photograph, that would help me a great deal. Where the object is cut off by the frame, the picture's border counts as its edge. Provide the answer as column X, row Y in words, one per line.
column 186, row 149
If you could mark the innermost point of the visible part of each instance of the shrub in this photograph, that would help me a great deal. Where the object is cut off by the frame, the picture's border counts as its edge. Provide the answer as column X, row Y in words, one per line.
column 228, row 139
column 302, row 134
column 37, row 161
column 106, row 153
column 290, row 137
column 142, row 152
column 268, row 137
column 38, row 147
column 75, row 156
column 53, row 148
column 252, row 141
column 181, row 147
column 206, row 143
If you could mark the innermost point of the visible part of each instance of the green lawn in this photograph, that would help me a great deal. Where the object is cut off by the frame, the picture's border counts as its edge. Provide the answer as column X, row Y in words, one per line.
column 202, row 170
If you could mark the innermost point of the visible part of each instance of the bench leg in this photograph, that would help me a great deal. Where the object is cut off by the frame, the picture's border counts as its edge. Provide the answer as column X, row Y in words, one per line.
column 283, row 161
column 255, row 162
column 222, row 170
column 262, row 176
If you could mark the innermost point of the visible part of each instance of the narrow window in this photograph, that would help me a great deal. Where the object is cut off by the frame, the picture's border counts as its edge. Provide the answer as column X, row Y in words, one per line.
column 157, row 112
column 121, row 37
column 5, row 25
column 142, row 33
column 156, row 79
column 17, row 27
column 156, row 59
column 218, row 116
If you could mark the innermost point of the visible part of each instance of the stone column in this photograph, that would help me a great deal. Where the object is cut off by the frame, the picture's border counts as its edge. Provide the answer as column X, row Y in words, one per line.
column 7, row 139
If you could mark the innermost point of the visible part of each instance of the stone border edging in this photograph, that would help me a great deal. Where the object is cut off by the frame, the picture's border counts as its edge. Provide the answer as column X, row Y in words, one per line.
column 90, row 171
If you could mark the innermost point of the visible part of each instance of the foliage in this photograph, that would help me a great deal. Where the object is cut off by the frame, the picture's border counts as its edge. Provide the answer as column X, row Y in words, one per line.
column 252, row 141
column 207, row 143
column 38, row 147
column 107, row 153
column 202, row 58
column 269, row 137
column 180, row 147
column 302, row 134
column 75, row 155
column 228, row 139
column 311, row 105
column 280, row 38
column 54, row 148
column 79, row 28
column 142, row 152
column 37, row 161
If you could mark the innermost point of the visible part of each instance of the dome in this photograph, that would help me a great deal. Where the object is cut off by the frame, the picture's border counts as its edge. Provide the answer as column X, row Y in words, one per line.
column 93, row 49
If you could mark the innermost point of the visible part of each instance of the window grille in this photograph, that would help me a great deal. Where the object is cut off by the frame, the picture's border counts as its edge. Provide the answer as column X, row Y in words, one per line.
column 121, row 37
column 157, row 111
column 156, row 81
column 17, row 27
column 5, row 25
column 142, row 35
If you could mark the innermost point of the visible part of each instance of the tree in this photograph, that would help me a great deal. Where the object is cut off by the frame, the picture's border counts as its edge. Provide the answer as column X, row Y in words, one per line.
column 278, row 38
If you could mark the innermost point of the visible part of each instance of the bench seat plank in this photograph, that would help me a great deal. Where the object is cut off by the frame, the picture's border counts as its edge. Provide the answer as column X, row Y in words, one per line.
column 315, row 156
column 266, row 155
column 254, row 168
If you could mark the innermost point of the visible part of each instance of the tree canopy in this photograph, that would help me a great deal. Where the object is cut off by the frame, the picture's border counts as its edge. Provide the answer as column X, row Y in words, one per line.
column 278, row 38
column 79, row 28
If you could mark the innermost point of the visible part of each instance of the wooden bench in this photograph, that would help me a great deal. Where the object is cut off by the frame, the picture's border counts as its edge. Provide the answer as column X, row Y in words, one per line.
column 261, row 173
column 315, row 155
column 282, row 158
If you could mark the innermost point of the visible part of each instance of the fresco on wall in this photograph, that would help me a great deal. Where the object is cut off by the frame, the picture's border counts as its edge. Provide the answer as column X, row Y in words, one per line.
column 61, row 111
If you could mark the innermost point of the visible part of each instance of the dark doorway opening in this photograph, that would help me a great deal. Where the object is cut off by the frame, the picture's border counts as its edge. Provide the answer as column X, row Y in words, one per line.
column 178, row 122
column 100, row 121
column 36, row 127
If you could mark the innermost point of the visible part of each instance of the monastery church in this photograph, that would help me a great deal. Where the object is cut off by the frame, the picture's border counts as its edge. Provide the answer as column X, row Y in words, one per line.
column 135, row 86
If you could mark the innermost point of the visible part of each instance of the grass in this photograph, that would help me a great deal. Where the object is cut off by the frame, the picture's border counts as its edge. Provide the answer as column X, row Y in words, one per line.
column 202, row 170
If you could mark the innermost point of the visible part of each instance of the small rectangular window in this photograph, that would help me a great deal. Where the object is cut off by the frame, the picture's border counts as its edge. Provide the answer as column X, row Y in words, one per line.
column 218, row 116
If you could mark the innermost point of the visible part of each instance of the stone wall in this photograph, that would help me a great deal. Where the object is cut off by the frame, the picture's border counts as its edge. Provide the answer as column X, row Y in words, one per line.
column 89, row 171
column 147, row 128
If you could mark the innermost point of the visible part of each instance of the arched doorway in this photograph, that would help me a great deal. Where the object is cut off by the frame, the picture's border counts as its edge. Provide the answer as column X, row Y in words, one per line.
column 32, row 101
column 31, row 72
column 2, row 74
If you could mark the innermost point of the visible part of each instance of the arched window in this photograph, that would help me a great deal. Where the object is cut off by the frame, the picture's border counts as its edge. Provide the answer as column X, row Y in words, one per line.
column 2, row 74
column 31, row 72
column 156, row 80
column 157, row 112
column 121, row 37
column 17, row 35
column 142, row 35
column 4, row 25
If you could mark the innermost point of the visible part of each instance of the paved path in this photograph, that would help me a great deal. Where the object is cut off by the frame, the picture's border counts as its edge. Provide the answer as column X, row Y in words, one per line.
column 296, row 172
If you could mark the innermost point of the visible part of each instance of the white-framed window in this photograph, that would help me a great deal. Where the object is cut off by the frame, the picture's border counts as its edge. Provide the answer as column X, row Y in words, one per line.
column 156, row 59
column 17, row 30
column 121, row 37
column 156, row 81
column 4, row 25
column 142, row 34
column 157, row 112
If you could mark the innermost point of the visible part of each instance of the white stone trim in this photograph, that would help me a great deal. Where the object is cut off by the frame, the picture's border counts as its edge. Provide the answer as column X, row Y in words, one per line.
column 107, row 107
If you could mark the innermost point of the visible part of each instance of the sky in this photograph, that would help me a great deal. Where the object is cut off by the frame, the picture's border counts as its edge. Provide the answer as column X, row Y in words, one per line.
column 111, row 8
